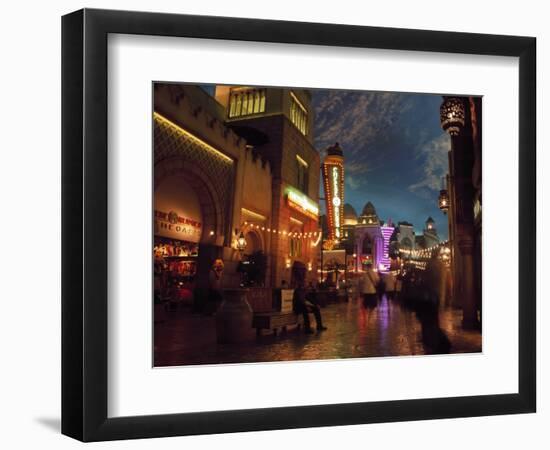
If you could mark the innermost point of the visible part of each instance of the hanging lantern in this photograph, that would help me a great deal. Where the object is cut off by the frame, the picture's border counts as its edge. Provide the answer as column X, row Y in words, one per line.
column 241, row 242
column 452, row 115
column 443, row 201
column 445, row 255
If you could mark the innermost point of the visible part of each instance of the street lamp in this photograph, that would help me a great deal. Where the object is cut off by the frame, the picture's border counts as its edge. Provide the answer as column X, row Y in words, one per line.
column 443, row 200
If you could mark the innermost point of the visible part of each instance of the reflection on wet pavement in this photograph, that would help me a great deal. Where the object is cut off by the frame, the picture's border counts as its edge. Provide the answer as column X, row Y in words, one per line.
column 387, row 329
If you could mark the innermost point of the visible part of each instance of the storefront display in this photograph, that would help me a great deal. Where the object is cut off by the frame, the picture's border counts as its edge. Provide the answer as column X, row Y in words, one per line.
column 175, row 267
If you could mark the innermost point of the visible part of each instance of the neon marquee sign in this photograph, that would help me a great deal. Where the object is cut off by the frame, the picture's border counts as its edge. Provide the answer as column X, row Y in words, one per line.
column 336, row 202
column 302, row 203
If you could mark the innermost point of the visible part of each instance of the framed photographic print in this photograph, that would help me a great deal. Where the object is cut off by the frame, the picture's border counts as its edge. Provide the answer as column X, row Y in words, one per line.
column 274, row 224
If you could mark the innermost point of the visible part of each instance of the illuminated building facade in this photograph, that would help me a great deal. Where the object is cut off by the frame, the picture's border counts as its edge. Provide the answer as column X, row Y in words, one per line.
column 277, row 124
column 430, row 233
column 368, row 240
column 333, row 179
column 236, row 164
column 405, row 236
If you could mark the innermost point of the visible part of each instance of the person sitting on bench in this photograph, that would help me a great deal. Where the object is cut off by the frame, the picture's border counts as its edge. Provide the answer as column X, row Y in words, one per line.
column 304, row 307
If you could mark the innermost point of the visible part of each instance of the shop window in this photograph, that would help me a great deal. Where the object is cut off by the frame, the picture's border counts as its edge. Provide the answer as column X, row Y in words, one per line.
column 302, row 175
column 298, row 114
column 295, row 250
column 246, row 102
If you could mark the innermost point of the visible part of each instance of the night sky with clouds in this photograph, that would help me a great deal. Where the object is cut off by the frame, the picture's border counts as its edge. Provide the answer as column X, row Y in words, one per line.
column 395, row 152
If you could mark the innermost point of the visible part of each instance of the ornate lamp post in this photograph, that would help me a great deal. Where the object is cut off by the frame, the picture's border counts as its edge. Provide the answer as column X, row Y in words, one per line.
column 452, row 115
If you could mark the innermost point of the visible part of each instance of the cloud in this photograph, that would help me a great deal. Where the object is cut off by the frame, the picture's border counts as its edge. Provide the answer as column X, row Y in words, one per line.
column 356, row 119
column 434, row 156
column 357, row 167
column 352, row 182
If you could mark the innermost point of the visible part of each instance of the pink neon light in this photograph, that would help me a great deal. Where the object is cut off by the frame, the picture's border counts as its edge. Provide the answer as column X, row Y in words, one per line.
column 385, row 259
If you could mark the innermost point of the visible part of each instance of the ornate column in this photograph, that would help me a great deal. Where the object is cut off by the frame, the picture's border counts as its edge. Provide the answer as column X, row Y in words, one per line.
column 455, row 119
column 469, row 303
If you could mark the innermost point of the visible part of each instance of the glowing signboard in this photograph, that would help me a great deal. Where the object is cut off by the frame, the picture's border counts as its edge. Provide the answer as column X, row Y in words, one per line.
column 336, row 200
column 333, row 175
column 302, row 203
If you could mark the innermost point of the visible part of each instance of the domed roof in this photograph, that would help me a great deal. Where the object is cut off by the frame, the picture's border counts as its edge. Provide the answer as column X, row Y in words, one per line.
column 335, row 150
column 369, row 210
column 349, row 212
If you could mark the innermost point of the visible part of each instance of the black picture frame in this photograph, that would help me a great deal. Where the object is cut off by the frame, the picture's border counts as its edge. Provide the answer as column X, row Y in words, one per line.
column 84, row 224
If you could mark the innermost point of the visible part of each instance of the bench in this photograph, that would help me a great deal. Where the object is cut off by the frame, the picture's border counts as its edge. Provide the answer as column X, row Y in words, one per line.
column 275, row 320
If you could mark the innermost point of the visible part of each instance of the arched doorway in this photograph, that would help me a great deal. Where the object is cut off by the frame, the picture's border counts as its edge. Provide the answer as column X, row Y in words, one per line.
column 253, row 243
column 189, row 228
column 298, row 273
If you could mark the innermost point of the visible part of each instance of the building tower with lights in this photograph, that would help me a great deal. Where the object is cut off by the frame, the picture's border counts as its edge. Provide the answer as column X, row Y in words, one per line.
column 277, row 126
column 333, row 178
column 430, row 233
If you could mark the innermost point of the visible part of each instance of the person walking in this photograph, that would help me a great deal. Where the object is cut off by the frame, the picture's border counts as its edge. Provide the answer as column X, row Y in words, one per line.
column 215, row 297
column 390, row 284
column 398, row 286
column 368, row 287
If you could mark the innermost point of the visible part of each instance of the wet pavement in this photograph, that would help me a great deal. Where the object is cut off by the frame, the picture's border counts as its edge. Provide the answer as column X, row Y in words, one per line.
column 387, row 329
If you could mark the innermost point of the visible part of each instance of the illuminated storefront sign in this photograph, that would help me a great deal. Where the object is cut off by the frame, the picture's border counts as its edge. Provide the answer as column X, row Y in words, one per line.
column 302, row 203
column 177, row 211
column 170, row 224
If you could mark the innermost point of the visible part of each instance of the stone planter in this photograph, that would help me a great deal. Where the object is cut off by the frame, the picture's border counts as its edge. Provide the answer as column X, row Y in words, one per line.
column 234, row 318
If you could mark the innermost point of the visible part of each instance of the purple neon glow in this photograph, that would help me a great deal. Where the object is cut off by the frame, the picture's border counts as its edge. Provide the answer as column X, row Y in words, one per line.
column 385, row 260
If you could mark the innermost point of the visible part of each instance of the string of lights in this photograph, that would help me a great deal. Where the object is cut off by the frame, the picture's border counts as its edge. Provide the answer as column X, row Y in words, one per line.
column 422, row 253
column 290, row 234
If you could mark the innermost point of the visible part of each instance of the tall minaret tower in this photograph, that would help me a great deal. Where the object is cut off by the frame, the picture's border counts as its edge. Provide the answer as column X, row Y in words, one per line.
column 333, row 178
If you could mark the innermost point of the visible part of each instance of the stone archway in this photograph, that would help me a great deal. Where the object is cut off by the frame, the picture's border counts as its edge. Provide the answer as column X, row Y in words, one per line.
column 214, row 227
column 253, row 242
column 211, row 207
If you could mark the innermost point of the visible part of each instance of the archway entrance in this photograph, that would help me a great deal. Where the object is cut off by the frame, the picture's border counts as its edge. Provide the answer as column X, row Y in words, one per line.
column 187, row 237
column 253, row 243
column 178, row 229
column 253, row 266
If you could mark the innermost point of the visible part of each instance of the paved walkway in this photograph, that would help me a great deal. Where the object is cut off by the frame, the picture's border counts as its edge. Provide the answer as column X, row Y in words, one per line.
column 389, row 329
